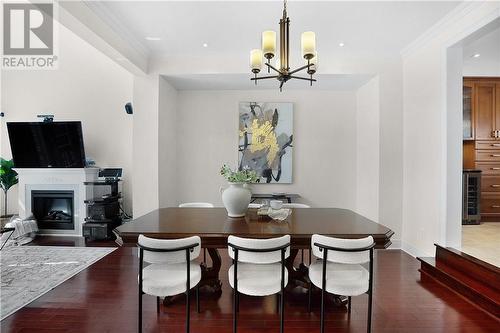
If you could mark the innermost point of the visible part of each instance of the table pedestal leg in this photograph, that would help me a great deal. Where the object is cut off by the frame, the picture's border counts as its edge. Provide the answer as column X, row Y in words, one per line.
column 210, row 275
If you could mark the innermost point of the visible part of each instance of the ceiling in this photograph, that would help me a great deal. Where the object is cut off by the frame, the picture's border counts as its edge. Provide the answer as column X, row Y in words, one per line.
column 232, row 28
column 335, row 82
column 487, row 47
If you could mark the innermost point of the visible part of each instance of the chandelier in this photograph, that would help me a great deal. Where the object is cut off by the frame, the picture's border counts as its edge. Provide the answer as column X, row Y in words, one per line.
column 268, row 51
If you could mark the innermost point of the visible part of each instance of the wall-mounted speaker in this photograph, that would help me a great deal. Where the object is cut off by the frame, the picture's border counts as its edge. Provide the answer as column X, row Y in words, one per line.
column 128, row 108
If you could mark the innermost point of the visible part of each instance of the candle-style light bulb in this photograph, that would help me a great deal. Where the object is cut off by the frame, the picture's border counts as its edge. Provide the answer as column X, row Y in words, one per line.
column 256, row 60
column 308, row 43
column 269, row 44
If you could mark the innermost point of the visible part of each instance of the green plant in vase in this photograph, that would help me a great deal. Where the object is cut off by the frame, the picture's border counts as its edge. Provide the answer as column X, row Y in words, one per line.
column 8, row 178
column 237, row 196
column 239, row 176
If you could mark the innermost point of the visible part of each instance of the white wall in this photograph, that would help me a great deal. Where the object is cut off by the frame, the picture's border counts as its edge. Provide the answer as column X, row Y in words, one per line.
column 145, row 146
column 429, row 211
column 391, row 148
column 167, row 146
column 88, row 86
column 324, row 150
column 368, row 149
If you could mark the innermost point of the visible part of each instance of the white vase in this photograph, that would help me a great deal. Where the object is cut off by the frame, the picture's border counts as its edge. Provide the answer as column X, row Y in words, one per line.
column 236, row 199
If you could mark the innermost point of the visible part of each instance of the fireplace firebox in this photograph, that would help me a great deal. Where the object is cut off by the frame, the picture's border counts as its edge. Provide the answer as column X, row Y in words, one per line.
column 53, row 209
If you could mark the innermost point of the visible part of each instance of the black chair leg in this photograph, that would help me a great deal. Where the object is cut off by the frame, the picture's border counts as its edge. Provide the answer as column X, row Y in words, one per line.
column 369, row 328
column 188, row 306
column 198, row 298
column 157, row 304
column 309, row 297
column 237, row 302
column 349, row 304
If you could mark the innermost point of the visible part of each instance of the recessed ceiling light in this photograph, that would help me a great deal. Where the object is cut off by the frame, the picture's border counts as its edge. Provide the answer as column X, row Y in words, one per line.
column 152, row 38
column 341, row 44
column 477, row 55
column 205, row 45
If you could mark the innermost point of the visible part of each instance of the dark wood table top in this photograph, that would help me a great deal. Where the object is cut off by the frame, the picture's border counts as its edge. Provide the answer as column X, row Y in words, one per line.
column 214, row 226
column 275, row 195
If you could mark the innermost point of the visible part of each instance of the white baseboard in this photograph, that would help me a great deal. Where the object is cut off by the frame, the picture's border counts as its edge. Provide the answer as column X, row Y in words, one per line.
column 414, row 252
column 396, row 244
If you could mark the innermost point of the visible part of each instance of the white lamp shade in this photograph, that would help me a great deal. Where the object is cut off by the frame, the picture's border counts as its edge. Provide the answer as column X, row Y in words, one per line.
column 308, row 43
column 269, row 42
column 256, row 59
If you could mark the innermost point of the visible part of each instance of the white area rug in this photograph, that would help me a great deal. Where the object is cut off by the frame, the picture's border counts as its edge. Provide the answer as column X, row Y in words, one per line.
column 28, row 272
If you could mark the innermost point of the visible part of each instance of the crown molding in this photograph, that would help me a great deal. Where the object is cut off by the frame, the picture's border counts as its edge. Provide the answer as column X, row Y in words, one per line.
column 454, row 15
column 116, row 25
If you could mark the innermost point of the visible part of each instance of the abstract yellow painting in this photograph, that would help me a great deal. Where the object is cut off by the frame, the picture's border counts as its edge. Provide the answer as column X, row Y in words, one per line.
column 266, row 140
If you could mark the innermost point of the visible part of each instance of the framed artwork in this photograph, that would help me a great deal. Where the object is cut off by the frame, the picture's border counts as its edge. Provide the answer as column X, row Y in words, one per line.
column 266, row 140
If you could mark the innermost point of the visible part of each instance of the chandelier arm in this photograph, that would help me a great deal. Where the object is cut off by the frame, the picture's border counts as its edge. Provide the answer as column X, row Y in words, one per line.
column 272, row 67
column 299, row 69
column 264, row 77
column 302, row 78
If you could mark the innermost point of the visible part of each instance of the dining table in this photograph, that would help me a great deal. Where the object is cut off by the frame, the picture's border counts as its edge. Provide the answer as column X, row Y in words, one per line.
column 214, row 227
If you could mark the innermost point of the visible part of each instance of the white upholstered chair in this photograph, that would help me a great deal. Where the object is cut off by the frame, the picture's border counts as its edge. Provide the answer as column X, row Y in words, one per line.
column 339, row 269
column 258, row 269
column 295, row 205
column 172, row 270
column 254, row 205
column 196, row 205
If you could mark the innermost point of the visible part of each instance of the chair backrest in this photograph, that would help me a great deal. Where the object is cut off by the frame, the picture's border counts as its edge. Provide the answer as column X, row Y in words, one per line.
column 169, row 257
column 254, row 205
column 196, row 205
column 295, row 205
column 259, row 257
column 342, row 257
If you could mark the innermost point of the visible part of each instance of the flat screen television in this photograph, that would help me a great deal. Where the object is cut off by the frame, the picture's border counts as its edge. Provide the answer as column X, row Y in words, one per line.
column 47, row 144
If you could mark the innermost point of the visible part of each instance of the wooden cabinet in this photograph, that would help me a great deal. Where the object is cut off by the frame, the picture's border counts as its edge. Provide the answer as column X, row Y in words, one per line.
column 485, row 112
column 481, row 134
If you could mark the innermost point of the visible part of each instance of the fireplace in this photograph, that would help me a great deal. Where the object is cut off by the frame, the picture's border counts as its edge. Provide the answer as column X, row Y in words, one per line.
column 53, row 209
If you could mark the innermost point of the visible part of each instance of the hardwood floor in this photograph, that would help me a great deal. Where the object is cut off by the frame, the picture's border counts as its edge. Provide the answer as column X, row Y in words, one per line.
column 103, row 298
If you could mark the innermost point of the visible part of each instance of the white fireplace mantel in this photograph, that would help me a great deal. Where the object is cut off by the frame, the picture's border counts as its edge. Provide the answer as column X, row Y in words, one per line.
column 57, row 179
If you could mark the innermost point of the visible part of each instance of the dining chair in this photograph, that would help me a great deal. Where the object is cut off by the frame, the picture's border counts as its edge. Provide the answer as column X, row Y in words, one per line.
column 339, row 270
column 196, row 205
column 171, row 270
column 258, row 270
column 254, row 205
